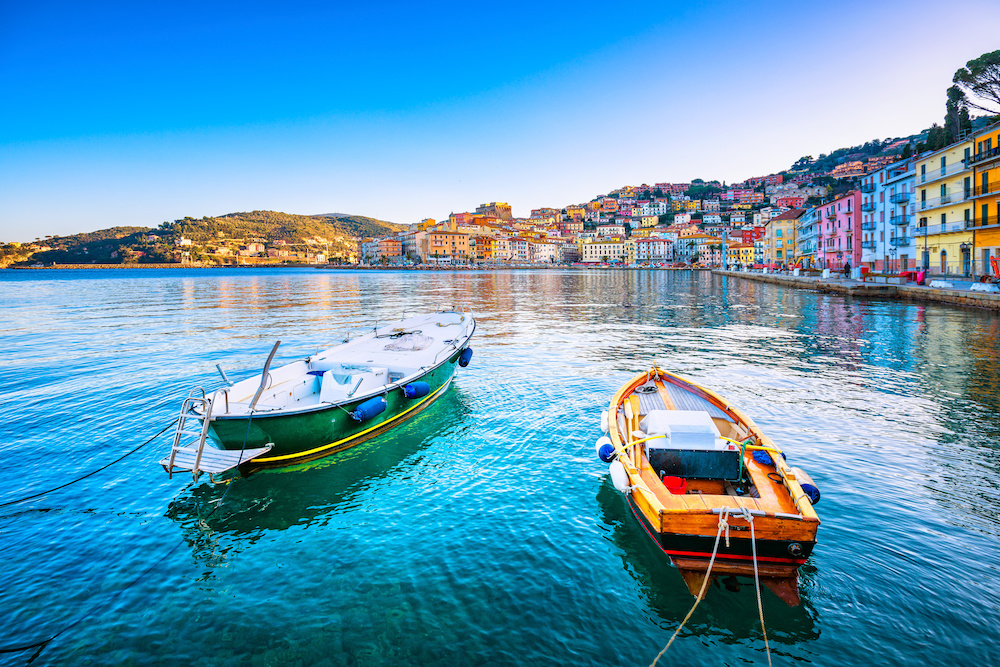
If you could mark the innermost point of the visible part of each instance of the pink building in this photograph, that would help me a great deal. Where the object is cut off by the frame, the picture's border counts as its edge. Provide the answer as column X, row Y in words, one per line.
column 840, row 229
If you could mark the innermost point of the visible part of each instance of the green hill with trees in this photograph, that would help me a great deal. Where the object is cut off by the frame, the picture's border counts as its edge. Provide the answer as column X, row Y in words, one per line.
column 207, row 241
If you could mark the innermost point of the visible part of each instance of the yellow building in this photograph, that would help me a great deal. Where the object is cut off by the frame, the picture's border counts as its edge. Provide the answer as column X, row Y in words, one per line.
column 593, row 251
column 741, row 253
column 944, row 210
column 779, row 237
column 649, row 220
column 985, row 163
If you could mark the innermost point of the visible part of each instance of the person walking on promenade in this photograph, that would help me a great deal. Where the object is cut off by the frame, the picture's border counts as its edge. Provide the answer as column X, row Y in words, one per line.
column 847, row 269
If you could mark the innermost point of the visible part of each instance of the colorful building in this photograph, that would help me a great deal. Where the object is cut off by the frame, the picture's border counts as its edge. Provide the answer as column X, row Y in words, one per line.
column 779, row 237
column 944, row 210
column 839, row 239
column 807, row 238
column 887, row 218
column 985, row 162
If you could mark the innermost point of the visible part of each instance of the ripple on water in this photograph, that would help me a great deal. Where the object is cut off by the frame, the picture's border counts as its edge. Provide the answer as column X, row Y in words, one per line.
column 485, row 530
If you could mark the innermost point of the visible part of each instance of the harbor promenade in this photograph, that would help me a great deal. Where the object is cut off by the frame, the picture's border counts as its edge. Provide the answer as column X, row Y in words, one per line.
column 953, row 291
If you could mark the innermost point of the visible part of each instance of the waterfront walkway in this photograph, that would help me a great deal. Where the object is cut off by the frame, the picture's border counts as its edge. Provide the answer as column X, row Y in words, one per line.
column 960, row 294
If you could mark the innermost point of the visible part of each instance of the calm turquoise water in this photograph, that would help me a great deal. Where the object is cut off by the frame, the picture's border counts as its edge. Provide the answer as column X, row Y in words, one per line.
column 485, row 531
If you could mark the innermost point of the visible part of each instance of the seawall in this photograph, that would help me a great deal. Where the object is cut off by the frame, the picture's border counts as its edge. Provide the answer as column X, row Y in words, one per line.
column 856, row 288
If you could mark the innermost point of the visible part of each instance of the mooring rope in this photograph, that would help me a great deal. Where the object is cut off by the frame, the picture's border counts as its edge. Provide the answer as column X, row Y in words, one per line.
column 93, row 472
column 723, row 524
column 42, row 643
column 756, row 581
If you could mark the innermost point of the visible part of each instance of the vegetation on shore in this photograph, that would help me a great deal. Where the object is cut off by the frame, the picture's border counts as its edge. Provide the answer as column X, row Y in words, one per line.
column 205, row 241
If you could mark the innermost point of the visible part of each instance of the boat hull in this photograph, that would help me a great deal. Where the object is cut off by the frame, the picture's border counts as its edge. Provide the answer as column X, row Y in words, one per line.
column 684, row 523
column 697, row 548
column 313, row 434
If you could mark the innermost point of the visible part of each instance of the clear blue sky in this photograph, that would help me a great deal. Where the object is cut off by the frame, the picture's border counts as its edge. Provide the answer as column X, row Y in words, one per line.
column 142, row 112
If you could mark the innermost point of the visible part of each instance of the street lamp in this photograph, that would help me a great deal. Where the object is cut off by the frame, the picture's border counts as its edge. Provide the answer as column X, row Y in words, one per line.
column 966, row 248
column 927, row 254
column 892, row 261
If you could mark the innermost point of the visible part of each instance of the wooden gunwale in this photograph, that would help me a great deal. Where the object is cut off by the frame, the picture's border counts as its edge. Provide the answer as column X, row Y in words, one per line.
column 791, row 518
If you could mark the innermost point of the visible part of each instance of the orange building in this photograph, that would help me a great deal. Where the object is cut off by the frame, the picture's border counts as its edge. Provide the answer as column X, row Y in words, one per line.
column 441, row 244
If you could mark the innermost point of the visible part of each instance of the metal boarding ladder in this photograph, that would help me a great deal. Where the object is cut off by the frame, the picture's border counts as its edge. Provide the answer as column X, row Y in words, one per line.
column 193, row 455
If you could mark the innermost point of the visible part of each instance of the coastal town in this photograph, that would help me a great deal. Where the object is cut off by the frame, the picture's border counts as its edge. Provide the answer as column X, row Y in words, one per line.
column 936, row 209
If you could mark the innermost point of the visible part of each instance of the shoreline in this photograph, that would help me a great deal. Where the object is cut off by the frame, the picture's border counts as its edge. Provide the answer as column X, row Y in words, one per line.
column 856, row 288
column 356, row 267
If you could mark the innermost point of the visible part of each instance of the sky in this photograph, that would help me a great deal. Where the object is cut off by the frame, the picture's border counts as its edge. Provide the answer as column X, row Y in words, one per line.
column 139, row 113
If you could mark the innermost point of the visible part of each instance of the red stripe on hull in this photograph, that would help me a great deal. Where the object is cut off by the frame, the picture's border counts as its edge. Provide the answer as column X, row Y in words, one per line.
column 702, row 554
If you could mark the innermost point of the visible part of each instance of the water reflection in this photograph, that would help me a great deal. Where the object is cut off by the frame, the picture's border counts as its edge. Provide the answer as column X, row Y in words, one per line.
column 724, row 615
column 218, row 522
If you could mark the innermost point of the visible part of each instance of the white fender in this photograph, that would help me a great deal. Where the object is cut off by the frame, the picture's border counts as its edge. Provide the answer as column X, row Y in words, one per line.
column 603, row 440
column 604, row 421
column 618, row 476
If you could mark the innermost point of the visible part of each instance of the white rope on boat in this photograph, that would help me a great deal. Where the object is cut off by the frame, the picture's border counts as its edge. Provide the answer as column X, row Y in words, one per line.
column 723, row 525
column 756, row 582
column 743, row 513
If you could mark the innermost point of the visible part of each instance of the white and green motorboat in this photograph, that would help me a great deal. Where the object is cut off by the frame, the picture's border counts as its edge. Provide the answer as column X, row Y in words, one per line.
column 325, row 403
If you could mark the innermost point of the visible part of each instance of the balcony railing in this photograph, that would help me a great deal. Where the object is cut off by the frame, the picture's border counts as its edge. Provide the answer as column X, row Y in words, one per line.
column 990, row 187
column 831, row 215
column 899, row 241
column 901, row 219
column 868, row 188
column 868, row 206
column 868, row 245
column 991, row 221
column 900, row 198
column 952, row 198
column 868, row 226
column 941, row 229
column 984, row 155
column 950, row 170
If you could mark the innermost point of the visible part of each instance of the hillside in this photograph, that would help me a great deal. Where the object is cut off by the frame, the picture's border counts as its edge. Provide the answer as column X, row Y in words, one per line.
column 209, row 240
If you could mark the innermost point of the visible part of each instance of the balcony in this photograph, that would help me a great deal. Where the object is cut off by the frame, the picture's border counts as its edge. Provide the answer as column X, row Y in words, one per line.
column 990, row 187
column 900, row 198
column 832, row 215
column 950, row 170
column 899, row 241
column 868, row 188
column 953, row 198
column 901, row 219
column 868, row 206
column 984, row 155
column 991, row 221
column 959, row 226
column 868, row 245
column 868, row 226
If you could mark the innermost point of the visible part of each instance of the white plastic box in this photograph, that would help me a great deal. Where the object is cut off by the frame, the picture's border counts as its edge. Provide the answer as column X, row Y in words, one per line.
column 681, row 429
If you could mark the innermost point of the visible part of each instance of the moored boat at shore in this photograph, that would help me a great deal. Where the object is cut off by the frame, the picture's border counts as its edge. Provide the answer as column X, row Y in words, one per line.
column 325, row 403
column 694, row 469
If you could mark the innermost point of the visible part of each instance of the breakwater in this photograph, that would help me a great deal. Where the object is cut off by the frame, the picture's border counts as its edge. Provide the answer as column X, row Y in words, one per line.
column 855, row 288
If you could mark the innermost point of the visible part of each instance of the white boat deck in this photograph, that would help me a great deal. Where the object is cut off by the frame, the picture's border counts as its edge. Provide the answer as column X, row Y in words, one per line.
column 391, row 355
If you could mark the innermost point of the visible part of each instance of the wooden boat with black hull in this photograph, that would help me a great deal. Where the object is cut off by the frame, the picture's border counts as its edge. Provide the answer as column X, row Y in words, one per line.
column 708, row 487
column 324, row 403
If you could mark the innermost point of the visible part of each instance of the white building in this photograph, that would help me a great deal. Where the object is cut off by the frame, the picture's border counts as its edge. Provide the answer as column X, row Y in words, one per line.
column 887, row 224
column 654, row 250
